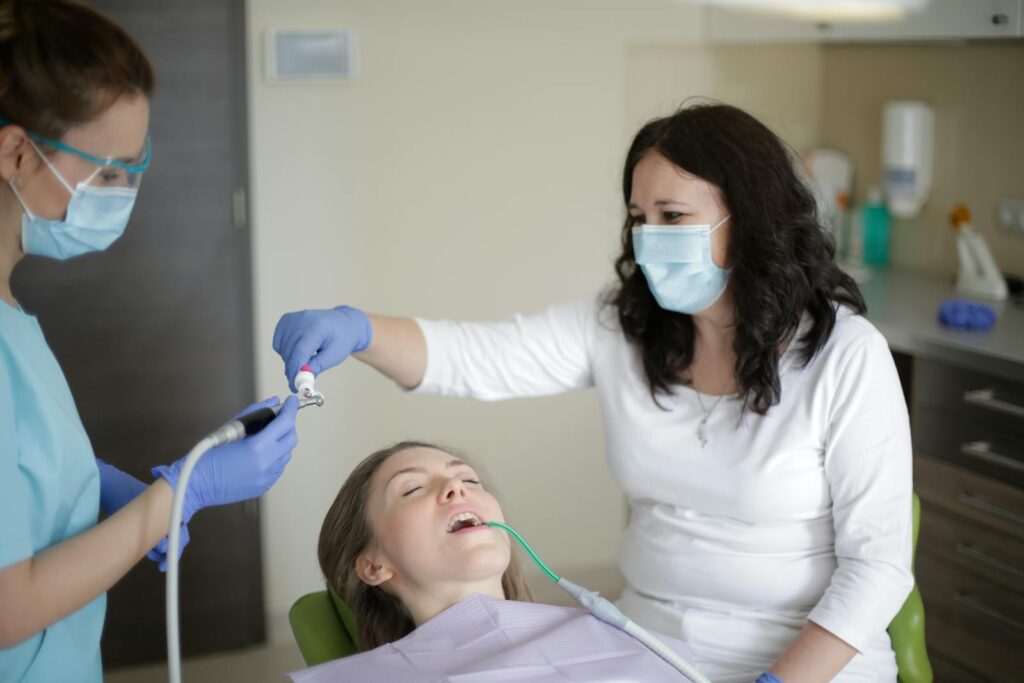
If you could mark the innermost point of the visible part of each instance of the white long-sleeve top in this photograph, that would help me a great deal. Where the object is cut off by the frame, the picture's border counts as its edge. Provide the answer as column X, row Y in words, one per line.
column 802, row 513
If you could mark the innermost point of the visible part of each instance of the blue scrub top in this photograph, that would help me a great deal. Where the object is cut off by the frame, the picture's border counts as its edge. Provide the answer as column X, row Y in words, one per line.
column 49, row 491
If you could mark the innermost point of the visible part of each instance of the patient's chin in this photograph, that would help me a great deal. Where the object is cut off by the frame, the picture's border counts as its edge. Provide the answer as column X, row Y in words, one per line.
column 480, row 562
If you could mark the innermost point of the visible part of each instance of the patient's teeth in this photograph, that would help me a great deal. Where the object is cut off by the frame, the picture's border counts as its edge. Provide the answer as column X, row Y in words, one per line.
column 463, row 517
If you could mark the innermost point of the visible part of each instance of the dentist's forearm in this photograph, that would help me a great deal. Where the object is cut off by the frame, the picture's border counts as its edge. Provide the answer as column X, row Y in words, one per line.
column 65, row 577
column 816, row 656
column 398, row 350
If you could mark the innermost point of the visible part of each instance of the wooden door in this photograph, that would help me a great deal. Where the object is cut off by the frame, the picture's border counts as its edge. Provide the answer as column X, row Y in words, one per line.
column 155, row 335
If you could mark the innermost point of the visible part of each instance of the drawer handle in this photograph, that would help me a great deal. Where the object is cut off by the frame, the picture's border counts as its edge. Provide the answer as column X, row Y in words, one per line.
column 975, row 554
column 979, row 606
column 986, row 398
column 989, row 508
column 982, row 450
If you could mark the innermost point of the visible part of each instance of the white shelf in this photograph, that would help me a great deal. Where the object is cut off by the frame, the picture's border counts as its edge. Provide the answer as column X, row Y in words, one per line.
column 940, row 20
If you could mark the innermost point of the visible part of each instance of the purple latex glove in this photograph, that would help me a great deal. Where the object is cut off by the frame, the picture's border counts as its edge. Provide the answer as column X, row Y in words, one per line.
column 320, row 338
column 241, row 470
column 117, row 489
column 768, row 677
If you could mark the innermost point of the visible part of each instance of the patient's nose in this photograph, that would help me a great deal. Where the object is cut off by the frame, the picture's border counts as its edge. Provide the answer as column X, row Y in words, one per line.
column 453, row 489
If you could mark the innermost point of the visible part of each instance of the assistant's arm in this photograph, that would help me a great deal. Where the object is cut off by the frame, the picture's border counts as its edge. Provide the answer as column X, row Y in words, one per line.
column 398, row 350
column 544, row 353
column 868, row 467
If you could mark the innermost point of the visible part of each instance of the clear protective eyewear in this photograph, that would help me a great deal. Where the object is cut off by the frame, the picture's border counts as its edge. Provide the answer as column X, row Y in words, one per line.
column 111, row 172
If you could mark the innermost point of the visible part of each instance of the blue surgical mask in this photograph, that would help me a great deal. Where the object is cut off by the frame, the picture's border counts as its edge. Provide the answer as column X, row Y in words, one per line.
column 676, row 260
column 95, row 218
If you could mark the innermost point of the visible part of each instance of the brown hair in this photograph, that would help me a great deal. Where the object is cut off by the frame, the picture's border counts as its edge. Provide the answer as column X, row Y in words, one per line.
column 62, row 64
column 380, row 617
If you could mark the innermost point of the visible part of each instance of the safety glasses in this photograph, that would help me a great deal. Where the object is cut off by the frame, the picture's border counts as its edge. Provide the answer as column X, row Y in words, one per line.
column 112, row 172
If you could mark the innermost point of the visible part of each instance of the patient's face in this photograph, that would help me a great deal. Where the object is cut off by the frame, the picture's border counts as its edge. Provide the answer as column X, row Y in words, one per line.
column 427, row 509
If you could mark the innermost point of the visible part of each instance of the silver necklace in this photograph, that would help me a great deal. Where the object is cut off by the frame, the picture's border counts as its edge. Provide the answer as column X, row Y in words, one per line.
column 702, row 426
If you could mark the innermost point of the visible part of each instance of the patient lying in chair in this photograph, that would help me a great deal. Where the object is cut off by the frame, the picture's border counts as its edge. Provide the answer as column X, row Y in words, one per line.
column 438, row 596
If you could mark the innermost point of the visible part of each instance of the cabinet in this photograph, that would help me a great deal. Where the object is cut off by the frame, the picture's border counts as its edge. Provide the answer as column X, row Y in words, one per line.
column 939, row 20
column 968, row 431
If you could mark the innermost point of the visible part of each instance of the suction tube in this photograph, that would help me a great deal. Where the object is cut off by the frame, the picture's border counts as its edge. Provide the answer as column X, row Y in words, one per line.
column 607, row 612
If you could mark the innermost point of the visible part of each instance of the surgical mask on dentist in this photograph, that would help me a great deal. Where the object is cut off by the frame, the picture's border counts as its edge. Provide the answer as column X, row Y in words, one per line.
column 95, row 218
column 676, row 260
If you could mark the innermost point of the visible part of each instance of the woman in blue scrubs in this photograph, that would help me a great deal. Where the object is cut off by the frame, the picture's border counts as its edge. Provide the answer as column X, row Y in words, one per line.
column 74, row 115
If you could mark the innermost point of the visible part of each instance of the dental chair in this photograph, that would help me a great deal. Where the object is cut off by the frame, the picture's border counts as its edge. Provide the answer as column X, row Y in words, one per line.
column 325, row 628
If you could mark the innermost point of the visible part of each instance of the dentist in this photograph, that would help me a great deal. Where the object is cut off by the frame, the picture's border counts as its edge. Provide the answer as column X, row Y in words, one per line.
column 752, row 416
column 74, row 144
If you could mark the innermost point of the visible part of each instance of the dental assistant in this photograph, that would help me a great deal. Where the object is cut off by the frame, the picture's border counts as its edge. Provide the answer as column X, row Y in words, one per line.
column 74, row 144
column 752, row 416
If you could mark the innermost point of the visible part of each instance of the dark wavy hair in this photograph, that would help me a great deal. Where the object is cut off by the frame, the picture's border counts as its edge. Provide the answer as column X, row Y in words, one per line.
column 782, row 259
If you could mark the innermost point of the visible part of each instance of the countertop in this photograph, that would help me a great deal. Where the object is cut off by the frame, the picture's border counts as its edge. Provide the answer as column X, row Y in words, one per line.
column 904, row 307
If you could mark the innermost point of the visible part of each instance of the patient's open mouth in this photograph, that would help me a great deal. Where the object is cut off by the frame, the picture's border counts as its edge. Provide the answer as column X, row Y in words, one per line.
column 464, row 520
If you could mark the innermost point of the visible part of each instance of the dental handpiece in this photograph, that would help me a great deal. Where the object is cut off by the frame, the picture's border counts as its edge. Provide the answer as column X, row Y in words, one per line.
column 254, row 422
column 233, row 430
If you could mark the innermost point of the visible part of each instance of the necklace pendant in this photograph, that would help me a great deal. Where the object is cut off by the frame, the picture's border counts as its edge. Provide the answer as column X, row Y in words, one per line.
column 702, row 432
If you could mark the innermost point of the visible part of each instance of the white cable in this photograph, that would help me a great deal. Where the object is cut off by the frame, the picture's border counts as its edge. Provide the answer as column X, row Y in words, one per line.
column 610, row 614
column 232, row 431
column 664, row 651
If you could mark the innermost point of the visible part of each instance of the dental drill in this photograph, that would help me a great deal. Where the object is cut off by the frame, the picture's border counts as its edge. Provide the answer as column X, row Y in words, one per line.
column 233, row 430
column 607, row 612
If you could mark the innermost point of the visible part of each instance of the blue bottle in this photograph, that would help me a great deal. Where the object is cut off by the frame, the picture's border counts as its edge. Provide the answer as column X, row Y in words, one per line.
column 875, row 225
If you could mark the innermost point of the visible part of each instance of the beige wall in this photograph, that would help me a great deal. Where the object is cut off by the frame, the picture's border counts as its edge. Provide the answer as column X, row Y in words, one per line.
column 780, row 84
column 471, row 171
column 977, row 92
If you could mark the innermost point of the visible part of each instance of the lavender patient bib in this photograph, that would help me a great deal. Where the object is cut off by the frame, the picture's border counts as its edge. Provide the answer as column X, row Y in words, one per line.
column 485, row 640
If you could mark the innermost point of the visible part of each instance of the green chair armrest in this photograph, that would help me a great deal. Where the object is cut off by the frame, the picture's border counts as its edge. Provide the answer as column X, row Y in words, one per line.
column 906, row 631
column 907, row 635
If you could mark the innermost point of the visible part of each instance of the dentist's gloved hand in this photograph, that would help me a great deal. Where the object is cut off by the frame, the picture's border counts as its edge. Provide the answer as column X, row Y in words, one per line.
column 117, row 489
column 768, row 677
column 320, row 338
column 240, row 470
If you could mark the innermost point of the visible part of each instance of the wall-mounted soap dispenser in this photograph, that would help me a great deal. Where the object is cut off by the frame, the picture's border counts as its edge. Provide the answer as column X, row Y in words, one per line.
column 908, row 151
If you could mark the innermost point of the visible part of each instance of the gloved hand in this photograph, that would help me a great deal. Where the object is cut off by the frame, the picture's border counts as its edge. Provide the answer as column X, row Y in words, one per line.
column 240, row 470
column 768, row 677
column 117, row 489
column 320, row 338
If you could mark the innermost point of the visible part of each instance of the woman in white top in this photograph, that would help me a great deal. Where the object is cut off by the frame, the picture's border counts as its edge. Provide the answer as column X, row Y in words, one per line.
column 753, row 417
